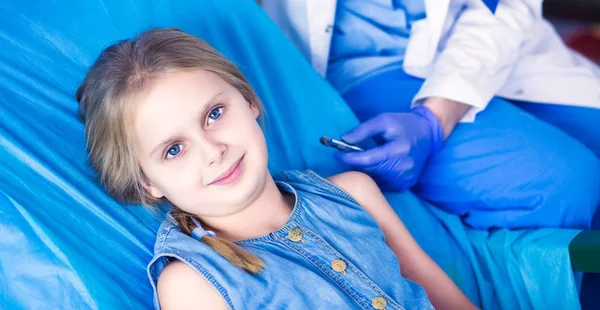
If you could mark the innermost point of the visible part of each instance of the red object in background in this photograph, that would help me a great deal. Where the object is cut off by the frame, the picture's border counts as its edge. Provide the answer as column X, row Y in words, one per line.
column 586, row 42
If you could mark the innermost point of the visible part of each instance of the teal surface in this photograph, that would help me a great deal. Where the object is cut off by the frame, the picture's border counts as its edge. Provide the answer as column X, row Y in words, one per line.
column 584, row 251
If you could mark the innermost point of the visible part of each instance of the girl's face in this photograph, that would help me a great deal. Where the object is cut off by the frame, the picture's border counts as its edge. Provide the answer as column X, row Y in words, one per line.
column 199, row 145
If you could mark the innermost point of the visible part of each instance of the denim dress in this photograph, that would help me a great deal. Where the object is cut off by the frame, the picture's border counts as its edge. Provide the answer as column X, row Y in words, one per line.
column 330, row 254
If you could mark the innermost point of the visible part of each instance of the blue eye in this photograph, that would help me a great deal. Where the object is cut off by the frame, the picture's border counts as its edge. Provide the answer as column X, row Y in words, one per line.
column 215, row 114
column 174, row 150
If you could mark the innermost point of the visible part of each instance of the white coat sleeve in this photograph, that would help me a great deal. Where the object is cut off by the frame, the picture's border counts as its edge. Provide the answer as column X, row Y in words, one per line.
column 479, row 53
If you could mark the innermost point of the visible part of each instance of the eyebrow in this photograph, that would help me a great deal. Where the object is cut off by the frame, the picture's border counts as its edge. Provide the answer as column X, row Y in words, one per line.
column 207, row 106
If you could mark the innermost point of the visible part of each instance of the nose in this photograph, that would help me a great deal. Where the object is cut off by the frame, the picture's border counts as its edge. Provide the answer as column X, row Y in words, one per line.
column 212, row 150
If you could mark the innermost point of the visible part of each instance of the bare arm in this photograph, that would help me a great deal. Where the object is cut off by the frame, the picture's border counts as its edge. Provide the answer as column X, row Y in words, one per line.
column 415, row 264
column 448, row 112
column 181, row 287
column 476, row 60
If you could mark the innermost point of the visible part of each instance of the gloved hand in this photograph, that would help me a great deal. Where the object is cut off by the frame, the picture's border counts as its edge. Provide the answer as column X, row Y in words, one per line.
column 410, row 139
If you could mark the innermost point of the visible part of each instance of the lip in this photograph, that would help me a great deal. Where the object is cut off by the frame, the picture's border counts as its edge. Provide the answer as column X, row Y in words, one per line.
column 230, row 175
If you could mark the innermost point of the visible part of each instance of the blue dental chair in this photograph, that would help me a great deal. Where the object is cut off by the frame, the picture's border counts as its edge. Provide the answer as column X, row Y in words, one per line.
column 65, row 244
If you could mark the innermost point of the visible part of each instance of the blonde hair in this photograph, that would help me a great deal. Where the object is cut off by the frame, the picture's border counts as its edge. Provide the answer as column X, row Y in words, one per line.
column 125, row 70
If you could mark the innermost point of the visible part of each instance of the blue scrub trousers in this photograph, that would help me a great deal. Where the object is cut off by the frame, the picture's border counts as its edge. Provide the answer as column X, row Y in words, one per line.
column 518, row 165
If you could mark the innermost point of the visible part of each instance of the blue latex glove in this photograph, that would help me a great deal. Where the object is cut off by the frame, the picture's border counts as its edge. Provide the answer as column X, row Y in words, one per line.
column 409, row 140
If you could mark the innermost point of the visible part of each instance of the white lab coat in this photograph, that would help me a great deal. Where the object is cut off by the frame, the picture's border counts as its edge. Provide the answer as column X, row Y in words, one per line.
column 464, row 52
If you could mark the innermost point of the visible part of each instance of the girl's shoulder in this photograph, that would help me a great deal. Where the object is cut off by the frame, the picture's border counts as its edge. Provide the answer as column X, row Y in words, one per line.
column 347, row 185
column 180, row 286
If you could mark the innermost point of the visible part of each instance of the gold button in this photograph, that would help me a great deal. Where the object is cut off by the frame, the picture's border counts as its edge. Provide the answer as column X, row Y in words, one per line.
column 295, row 234
column 338, row 265
column 379, row 303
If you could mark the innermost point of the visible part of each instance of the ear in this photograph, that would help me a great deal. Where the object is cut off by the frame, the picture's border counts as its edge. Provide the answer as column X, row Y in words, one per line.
column 254, row 109
column 151, row 189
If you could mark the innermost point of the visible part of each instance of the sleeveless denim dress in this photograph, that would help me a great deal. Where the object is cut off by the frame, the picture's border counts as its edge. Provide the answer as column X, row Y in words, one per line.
column 331, row 254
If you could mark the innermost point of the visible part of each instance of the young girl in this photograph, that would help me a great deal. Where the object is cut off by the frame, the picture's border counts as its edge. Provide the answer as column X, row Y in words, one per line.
column 167, row 118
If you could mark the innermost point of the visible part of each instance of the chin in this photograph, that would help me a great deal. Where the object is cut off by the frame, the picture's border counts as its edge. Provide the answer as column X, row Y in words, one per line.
column 245, row 191
column 252, row 183
column 230, row 199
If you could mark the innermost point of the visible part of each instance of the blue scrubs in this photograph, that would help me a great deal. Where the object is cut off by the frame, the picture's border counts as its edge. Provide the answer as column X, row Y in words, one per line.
column 369, row 37
column 518, row 165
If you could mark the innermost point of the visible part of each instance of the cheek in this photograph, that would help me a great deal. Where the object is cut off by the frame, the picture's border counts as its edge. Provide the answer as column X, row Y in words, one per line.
column 240, row 131
column 253, row 132
column 259, row 138
column 176, row 181
column 185, row 192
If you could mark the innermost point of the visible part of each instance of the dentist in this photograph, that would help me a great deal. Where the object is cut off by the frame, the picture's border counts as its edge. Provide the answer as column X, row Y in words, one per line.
column 476, row 105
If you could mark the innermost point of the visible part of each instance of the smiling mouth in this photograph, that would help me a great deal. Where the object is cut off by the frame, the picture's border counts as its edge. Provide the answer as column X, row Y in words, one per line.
column 231, row 175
